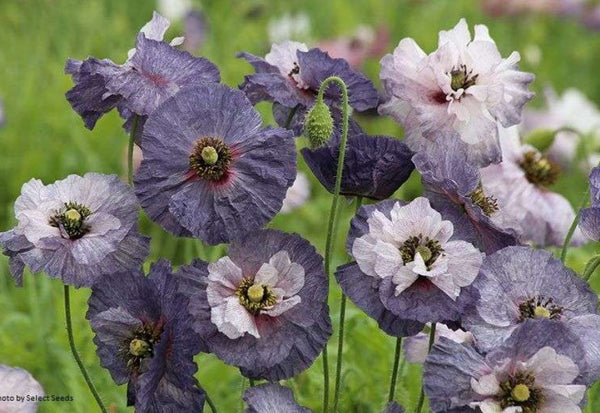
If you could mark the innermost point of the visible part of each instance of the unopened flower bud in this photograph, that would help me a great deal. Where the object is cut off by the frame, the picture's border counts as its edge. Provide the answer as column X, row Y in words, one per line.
column 318, row 125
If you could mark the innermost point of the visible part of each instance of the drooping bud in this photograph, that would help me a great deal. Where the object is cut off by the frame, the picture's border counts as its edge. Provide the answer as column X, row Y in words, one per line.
column 318, row 125
column 541, row 139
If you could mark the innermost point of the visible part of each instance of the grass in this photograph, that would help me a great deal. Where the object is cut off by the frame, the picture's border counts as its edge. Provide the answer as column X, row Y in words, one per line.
column 44, row 138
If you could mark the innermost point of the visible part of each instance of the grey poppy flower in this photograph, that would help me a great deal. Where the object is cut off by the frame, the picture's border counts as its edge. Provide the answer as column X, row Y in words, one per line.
column 144, row 337
column 291, row 74
column 538, row 369
column 76, row 229
column 520, row 184
column 393, row 407
column 411, row 270
column 374, row 166
column 272, row 398
column 589, row 221
column 262, row 308
column 209, row 170
column 154, row 71
column 461, row 89
column 15, row 382
column 454, row 187
column 517, row 284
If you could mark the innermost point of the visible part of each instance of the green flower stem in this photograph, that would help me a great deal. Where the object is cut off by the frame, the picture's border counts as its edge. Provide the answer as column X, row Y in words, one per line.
column 134, row 127
column 431, row 341
column 74, row 351
column 210, row 403
column 333, row 213
column 290, row 116
column 392, row 392
column 591, row 267
column 252, row 383
column 565, row 246
column 338, row 368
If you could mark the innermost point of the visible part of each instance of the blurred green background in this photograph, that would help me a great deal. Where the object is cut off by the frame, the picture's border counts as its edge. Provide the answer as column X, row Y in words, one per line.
column 44, row 138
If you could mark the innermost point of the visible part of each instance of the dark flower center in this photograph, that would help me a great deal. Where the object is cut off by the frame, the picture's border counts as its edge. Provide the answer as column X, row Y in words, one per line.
column 520, row 390
column 295, row 70
column 429, row 250
column 488, row 204
column 71, row 220
column 461, row 78
column 255, row 297
column 140, row 345
column 211, row 159
column 538, row 169
column 540, row 307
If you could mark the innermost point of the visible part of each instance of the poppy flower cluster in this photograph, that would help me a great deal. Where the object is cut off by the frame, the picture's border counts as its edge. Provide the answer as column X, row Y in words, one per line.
column 516, row 329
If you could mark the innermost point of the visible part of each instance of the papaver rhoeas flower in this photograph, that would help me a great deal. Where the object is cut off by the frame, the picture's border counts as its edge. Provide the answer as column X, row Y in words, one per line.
column 417, row 347
column 76, row 229
column 393, row 407
column 463, row 87
column 145, row 338
column 374, row 166
column 454, row 188
column 573, row 110
column 517, row 284
column 291, row 74
column 297, row 194
column 262, row 308
column 520, row 183
column 589, row 222
column 407, row 270
column 14, row 382
column 209, row 170
column 272, row 398
column 538, row 369
column 154, row 71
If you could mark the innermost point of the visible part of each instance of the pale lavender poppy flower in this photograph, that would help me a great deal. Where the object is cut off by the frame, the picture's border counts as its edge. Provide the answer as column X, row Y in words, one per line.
column 537, row 369
column 262, row 308
column 520, row 185
column 76, row 229
column 463, row 87
column 408, row 271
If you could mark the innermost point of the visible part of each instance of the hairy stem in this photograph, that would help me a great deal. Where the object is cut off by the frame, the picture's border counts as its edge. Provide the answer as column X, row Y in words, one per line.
column 422, row 395
column 86, row 376
column 392, row 392
column 338, row 367
column 565, row 246
column 333, row 213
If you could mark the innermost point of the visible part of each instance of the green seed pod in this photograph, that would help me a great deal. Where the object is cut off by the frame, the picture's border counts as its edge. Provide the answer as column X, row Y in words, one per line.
column 318, row 125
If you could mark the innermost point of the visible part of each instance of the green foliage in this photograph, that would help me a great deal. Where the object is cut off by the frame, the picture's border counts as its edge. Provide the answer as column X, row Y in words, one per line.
column 44, row 138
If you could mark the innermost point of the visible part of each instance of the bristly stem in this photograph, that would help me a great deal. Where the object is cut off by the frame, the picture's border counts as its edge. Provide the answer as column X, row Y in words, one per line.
column 333, row 212
column 590, row 267
column 291, row 116
column 565, row 246
column 338, row 367
column 392, row 392
column 210, row 403
column 132, row 133
column 74, row 351
column 431, row 341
